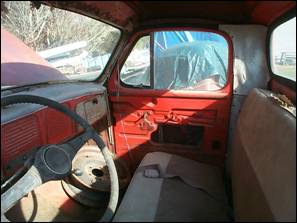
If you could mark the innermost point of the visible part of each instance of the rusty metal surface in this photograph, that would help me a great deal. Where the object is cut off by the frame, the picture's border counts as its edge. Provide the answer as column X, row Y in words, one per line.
column 89, row 183
column 86, row 197
column 89, row 161
column 125, row 13
column 116, row 13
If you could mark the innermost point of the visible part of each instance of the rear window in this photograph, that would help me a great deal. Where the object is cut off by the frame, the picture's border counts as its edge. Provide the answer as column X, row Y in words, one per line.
column 283, row 50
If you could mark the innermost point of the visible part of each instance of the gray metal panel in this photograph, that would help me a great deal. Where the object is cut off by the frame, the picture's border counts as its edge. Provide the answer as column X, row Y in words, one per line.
column 237, row 102
column 250, row 65
column 57, row 92
column 250, row 69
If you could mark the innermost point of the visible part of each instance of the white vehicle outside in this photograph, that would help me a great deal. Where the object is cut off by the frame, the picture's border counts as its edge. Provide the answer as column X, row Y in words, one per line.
column 68, row 58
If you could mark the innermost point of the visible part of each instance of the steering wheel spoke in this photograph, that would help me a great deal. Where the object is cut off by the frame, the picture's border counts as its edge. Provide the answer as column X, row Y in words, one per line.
column 25, row 185
column 51, row 162
column 74, row 144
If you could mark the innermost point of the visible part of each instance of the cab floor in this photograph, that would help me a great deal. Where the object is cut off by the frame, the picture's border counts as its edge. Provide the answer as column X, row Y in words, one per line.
column 49, row 202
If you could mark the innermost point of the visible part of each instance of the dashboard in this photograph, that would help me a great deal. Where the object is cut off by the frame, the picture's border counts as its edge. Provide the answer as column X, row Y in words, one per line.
column 25, row 127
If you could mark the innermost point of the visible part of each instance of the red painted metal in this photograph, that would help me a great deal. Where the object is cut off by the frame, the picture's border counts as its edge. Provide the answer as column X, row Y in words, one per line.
column 17, row 136
column 210, row 109
column 137, row 12
column 16, row 57
column 45, row 126
column 266, row 12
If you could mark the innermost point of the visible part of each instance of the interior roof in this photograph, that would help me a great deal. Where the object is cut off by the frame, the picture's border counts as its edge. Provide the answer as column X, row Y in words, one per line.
column 125, row 13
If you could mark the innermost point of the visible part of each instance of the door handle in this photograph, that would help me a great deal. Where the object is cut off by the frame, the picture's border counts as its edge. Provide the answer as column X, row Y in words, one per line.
column 146, row 124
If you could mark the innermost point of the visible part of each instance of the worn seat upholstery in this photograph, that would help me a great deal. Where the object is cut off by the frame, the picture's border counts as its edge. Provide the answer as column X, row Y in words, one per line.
column 264, row 161
column 175, row 199
column 263, row 175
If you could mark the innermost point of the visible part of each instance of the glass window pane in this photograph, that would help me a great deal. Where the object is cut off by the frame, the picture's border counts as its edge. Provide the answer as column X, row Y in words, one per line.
column 136, row 70
column 76, row 45
column 283, row 50
column 190, row 60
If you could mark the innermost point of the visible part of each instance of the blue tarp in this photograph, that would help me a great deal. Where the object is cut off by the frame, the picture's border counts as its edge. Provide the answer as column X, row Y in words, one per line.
column 165, row 40
column 182, row 59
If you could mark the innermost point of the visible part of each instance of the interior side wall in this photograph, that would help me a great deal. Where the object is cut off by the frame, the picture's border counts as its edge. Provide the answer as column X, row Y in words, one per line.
column 249, row 68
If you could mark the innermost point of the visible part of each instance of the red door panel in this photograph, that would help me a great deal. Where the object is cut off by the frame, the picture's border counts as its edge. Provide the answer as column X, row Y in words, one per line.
column 139, row 113
column 135, row 122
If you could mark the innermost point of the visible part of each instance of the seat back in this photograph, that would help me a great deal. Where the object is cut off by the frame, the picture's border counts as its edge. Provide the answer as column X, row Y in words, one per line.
column 264, row 161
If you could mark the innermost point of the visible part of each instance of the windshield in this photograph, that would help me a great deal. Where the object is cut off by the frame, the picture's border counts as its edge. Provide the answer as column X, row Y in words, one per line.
column 63, row 45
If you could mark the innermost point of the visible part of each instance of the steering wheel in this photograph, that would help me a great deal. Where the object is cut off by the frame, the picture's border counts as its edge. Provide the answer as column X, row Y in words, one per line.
column 54, row 162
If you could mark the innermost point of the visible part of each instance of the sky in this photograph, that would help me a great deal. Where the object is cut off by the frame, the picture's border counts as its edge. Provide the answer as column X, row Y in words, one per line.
column 284, row 37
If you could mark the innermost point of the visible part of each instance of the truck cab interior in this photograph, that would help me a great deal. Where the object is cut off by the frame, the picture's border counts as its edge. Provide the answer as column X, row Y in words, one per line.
column 142, row 111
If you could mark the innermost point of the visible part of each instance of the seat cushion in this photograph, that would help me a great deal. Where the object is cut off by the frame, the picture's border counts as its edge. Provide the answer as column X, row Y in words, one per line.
column 196, row 194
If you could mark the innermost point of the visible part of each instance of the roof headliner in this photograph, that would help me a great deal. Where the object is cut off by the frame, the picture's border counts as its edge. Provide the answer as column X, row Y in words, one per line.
column 125, row 13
